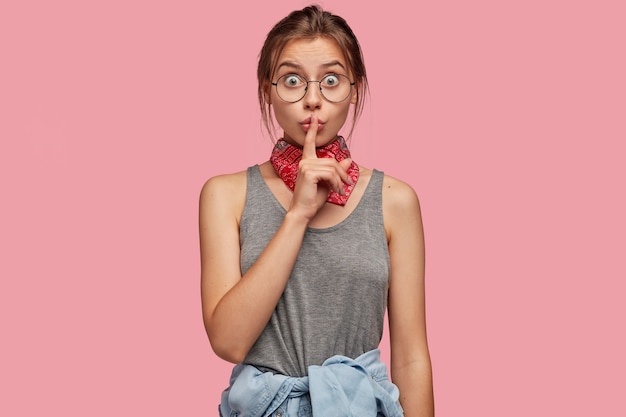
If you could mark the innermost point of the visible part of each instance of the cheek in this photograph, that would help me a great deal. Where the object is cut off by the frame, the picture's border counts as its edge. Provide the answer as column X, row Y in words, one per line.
column 345, row 110
column 281, row 113
column 279, row 110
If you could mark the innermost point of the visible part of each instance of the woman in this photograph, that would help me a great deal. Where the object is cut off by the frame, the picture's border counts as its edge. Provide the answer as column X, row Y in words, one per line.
column 302, row 254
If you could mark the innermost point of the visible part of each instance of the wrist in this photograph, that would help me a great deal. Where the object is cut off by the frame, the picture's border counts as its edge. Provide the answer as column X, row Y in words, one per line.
column 295, row 219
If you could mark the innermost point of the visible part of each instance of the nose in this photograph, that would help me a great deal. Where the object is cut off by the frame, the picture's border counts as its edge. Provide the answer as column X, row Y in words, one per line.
column 313, row 96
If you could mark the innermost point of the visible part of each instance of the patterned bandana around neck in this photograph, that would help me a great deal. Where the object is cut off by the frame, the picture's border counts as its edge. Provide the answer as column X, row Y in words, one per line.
column 285, row 158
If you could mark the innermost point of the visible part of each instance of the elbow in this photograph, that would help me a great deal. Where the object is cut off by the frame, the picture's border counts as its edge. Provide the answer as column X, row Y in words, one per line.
column 229, row 355
column 225, row 343
column 227, row 349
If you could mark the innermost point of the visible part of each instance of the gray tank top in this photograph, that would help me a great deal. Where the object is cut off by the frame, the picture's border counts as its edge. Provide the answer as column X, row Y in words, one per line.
column 335, row 300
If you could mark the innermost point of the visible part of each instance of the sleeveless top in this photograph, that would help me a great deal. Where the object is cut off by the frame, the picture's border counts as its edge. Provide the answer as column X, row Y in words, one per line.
column 335, row 300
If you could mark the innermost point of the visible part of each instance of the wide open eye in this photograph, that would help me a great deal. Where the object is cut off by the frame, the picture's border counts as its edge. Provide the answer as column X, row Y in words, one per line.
column 292, row 80
column 331, row 80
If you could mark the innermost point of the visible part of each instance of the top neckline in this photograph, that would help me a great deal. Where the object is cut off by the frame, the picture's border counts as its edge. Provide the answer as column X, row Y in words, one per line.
column 368, row 190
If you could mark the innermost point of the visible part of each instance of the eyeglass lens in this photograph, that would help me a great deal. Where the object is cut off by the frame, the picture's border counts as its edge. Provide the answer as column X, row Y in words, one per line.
column 334, row 87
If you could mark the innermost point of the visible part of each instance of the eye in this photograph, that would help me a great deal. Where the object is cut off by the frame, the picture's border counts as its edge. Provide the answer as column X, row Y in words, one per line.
column 331, row 80
column 292, row 80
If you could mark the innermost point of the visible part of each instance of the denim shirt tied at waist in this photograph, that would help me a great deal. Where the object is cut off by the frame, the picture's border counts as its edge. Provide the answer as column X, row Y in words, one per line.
column 340, row 387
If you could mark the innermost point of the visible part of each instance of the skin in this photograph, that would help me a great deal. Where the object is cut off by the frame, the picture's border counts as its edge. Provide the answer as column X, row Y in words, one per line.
column 236, row 308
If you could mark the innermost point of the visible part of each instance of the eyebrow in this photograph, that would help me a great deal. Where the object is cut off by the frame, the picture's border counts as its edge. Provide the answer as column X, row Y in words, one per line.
column 291, row 64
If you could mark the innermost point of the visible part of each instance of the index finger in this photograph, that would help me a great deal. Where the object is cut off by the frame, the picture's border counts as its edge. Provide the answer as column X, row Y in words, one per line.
column 308, row 149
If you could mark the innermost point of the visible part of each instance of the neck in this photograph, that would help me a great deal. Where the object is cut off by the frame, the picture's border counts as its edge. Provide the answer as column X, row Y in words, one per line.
column 286, row 157
column 292, row 142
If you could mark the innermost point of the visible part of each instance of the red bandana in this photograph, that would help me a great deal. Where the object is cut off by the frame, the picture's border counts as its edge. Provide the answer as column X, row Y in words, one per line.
column 285, row 158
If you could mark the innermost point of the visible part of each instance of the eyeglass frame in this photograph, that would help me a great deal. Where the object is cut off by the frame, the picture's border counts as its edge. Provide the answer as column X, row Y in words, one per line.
column 319, row 82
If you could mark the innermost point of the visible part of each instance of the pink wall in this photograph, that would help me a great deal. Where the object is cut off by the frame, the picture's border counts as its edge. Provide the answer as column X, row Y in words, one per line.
column 509, row 121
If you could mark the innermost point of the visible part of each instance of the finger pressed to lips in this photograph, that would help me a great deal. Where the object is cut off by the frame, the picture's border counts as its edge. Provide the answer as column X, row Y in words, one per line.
column 306, row 124
column 308, row 150
column 306, row 127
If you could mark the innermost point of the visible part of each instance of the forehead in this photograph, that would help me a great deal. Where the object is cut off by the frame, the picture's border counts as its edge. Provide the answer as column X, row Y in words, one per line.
column 312, row 53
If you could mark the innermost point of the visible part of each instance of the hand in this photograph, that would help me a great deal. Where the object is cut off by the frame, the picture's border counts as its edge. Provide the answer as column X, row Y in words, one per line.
column 317, row 177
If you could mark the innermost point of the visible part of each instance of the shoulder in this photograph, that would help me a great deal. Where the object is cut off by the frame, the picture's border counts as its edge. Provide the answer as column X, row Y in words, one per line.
column 401, row 206
column 398, row 195
column 223, row 182
column 224, row 185
column 224, row 194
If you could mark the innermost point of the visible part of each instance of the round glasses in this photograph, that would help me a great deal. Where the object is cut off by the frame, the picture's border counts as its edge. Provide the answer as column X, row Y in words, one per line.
column 333, row 87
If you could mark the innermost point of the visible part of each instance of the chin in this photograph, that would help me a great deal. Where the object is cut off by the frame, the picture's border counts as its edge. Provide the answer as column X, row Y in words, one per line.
column 325, row 141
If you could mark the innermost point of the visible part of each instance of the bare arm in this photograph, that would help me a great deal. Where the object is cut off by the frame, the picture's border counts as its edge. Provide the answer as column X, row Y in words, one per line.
column 236, row 308
column 410, row 359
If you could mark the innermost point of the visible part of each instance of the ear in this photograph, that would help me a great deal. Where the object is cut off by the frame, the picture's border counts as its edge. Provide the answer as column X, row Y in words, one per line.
column 355, row 93
column 267, row 92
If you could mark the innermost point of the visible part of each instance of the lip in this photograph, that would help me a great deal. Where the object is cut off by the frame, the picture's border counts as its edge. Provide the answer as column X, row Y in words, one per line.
column 306, row 124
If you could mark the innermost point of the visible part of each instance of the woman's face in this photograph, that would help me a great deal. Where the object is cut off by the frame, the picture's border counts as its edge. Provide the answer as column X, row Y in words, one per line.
column 311, row 60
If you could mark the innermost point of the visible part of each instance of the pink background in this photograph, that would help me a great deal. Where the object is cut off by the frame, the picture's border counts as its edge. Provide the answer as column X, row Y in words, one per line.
column 508, row 118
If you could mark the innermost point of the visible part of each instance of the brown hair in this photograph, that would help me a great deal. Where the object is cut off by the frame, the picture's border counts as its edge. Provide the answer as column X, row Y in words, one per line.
column 309, row 23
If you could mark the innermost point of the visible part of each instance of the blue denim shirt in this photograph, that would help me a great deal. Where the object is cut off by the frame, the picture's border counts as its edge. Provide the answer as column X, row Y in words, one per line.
column 340, row 387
